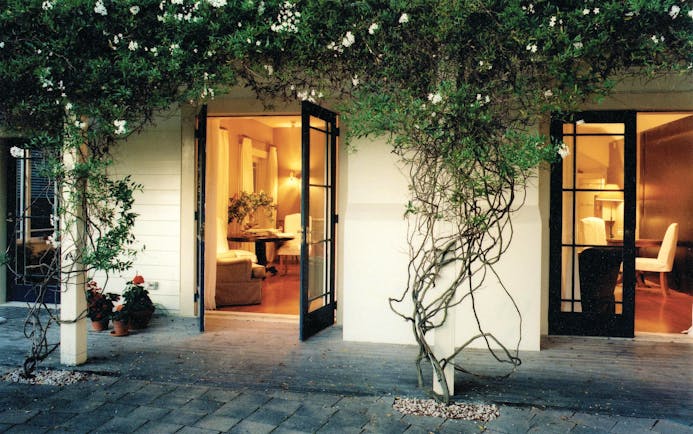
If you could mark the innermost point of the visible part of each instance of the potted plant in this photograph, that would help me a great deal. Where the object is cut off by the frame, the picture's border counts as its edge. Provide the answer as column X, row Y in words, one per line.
column 139, row 306
column 246, row 204
column 121, row 317
column 99, row 306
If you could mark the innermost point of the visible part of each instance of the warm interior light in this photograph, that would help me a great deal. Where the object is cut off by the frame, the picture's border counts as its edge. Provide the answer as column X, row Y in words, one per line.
column 611, row 199
column 292, row 177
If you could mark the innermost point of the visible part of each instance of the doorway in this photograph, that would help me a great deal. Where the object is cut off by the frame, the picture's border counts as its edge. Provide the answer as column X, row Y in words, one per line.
column 613, row 200
column 270, row 215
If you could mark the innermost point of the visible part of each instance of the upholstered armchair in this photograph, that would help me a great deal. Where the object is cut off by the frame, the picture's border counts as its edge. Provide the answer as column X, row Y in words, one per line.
column 292, row 225
column 239, row 279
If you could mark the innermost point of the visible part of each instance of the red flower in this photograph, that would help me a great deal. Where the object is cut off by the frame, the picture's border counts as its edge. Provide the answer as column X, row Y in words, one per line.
column 138, row 280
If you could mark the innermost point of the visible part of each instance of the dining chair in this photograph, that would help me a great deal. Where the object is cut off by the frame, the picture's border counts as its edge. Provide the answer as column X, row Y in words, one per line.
column 592, row 231
column 292, row 225
column 664, row 261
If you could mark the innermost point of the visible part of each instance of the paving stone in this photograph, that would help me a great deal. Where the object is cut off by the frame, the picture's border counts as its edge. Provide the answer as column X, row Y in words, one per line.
column 49, row 419
column 81, row 405
column 121, row 425
column 17, row 416
column 190, row 391
column 356, row 404
column 386, row 425
column 584, row 429
column 286, row 406
column 183, row 417
column 423, row 421
column 633, row 425
column 282, row 430
column 511, row 420
column 81, row 424
column 195, row 430
column 25, row 429
column 149, row 413
column 302, row 423
column 671, row 427
column 250, row 427
column 347, row 420
column 202, row 406
column 172, row 400
column 269, row 416
column 551, row 421
column 159, row 428
column 451, row 426
column 218, row 423
column 603, row 422
column 114, row 409
column 242, row 406
column 220, row 395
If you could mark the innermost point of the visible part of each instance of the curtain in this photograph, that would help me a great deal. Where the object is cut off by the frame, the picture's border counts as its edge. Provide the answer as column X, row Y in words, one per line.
column 216, row 201
column 247, row 165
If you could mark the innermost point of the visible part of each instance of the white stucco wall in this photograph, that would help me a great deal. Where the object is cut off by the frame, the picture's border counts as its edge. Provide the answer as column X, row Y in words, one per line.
column 375, row 260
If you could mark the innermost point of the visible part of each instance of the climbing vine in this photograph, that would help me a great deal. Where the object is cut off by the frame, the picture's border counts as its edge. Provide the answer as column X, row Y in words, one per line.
column 459, row 87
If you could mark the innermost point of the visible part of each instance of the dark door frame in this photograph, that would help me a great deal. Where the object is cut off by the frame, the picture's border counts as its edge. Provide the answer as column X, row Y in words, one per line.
column 592, row 323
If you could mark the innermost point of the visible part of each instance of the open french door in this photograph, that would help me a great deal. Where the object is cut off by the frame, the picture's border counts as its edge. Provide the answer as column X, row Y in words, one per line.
column 201, row 156
column 592, row 224
column 318, row 218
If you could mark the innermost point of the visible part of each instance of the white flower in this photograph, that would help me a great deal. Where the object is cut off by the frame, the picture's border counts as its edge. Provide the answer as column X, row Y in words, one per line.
column 47, row 5
column 100, row 8
column 17, row 152
column 269, row 69
column 133, row 46
column 120, row 126
column 578, row 45
column 563, row 150
column 674, row 12
column 552, row 21
column 529, row 8
column 548, row 93
column 135, row 10
column 348, row 39
column 595, row 11
column 355, row 81
column 404, row 18
column 532, row 47
column 435, row 98
column 68, row 107
column 372, row 28
column 585, row 11
column 690, row 13
column 217, row 3
column 2, row 44
column 52, row 241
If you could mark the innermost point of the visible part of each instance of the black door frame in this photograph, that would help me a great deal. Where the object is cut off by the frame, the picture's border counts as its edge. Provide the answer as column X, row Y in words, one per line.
column 311, row 322
column 592, row 323
column 200, row 179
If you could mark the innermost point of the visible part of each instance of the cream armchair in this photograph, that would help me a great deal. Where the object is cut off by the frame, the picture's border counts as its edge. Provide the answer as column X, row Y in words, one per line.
column 664, row 261
column 239, row 280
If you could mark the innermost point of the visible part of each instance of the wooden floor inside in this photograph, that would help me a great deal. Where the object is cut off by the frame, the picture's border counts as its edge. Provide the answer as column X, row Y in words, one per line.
column 280, row 294
column 654, row 313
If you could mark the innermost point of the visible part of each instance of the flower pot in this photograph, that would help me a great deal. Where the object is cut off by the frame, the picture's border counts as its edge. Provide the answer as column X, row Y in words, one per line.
column 100, row 325
column 140, row 319
column 120, row 328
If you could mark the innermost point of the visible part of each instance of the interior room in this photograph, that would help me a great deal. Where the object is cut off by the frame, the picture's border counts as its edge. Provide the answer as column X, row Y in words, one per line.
column 253, row 200
column 664, row 219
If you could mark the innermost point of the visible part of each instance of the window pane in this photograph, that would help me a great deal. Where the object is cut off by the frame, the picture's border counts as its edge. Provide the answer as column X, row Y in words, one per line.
column 584, row 128
column 568, row 175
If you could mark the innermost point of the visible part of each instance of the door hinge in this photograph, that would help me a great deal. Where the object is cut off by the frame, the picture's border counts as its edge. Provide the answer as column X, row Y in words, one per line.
column 335, row 218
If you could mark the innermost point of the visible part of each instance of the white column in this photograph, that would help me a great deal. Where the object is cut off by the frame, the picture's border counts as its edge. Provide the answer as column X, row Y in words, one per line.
column 73, row 303
column 443, row 347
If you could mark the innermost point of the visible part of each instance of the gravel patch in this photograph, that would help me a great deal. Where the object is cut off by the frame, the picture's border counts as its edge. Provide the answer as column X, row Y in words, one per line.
column 431, row 407
column 52, row 377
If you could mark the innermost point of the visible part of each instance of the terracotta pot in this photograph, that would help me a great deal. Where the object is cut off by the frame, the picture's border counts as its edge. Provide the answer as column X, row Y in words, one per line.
column 120, row 328
column 101, row 325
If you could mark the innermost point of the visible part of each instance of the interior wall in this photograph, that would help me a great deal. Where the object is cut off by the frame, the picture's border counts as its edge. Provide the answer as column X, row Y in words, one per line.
column 288, row 142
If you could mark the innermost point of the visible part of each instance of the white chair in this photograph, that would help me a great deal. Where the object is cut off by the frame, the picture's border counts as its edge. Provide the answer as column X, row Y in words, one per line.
column 292, row 225
column 664, row 261
column 592, row 231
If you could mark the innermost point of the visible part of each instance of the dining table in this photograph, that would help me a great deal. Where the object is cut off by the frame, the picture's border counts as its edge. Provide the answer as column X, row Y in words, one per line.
column 261, row 238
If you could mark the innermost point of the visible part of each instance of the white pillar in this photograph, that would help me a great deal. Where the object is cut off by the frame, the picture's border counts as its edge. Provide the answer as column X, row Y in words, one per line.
column 73, row 303
column 443, row 347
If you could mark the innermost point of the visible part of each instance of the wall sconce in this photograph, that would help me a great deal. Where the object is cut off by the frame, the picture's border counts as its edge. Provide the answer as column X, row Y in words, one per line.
column 293, row 177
